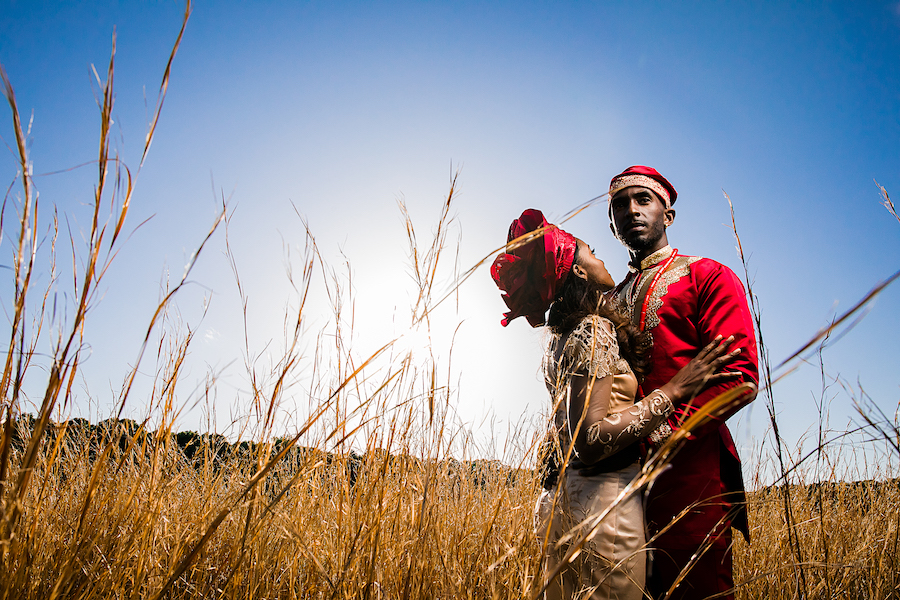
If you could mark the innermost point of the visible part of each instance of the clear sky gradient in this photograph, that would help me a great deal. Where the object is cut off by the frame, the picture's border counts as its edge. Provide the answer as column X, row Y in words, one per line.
column 340, row 109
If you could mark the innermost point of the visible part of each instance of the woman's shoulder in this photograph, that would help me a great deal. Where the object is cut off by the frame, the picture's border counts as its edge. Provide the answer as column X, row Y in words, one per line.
column 593, row 334
column 588, row 327
column 595, row 325
column 594, row 347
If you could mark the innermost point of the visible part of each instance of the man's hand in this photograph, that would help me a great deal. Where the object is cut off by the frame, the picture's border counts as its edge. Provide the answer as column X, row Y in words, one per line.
column 702, row 370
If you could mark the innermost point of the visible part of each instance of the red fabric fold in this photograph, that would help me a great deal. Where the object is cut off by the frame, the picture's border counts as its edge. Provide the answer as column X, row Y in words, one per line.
column 532, row 275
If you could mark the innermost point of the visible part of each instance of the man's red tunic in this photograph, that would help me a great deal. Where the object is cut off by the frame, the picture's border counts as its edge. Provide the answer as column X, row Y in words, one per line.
column 685, row 302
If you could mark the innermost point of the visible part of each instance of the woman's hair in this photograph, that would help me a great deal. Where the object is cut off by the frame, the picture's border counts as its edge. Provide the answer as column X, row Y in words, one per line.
column 579, row 298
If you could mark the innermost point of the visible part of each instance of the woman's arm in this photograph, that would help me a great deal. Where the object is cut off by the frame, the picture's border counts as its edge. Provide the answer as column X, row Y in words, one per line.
column 597, row 432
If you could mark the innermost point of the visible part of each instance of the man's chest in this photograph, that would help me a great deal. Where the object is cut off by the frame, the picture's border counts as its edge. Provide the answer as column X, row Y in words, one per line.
column 654, row 296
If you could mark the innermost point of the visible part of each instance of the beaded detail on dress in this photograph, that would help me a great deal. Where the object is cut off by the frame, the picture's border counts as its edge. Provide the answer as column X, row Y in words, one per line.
column 661, row 434
column 590, row 348
column 593, row 347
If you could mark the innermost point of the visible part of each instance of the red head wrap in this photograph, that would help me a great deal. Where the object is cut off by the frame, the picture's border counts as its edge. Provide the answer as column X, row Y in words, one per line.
column 532, row 274
column 647, row 177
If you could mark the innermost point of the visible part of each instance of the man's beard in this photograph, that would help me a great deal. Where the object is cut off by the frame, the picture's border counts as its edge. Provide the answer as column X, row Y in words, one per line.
column 646, row 239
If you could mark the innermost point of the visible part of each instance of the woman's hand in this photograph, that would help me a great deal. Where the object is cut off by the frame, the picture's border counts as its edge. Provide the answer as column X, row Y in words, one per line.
column 702, row 370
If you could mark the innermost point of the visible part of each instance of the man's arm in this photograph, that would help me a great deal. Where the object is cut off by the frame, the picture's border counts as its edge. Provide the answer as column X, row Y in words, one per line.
column 722, row 310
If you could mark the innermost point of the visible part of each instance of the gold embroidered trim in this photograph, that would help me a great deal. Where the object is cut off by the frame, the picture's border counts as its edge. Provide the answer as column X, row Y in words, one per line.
column 661, row 434
column 628, row 295
column 625, row 181
column 634, row 297
column 680, row 268
column 657, row 257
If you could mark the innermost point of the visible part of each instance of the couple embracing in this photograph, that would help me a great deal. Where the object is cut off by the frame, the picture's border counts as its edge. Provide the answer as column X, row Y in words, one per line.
column 625, row 366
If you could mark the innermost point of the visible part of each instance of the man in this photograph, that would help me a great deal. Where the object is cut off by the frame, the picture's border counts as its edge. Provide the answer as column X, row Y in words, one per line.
column 684, row 302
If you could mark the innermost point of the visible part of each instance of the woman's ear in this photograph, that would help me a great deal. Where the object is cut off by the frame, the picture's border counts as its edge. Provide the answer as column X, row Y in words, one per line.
column 579, row 271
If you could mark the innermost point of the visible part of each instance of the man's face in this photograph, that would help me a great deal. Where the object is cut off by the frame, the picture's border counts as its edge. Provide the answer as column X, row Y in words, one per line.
column 639, row 218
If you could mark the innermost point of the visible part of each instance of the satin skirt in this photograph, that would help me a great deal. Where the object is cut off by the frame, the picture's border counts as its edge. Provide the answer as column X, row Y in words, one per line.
column 612, row 562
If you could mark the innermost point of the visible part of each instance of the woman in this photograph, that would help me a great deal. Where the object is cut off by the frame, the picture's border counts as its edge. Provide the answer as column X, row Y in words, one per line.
column 591, row 368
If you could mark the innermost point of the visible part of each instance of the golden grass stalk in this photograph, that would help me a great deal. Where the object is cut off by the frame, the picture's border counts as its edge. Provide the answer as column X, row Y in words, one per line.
column 66, row 354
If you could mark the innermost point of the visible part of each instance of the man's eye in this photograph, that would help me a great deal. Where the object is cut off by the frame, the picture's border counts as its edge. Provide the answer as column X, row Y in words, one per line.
column 592, row 250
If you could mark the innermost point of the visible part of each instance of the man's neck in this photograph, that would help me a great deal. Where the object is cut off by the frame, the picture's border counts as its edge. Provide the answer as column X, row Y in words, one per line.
column 638, row 255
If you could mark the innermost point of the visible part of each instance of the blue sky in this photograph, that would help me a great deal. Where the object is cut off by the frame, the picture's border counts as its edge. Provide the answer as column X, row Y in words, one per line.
column 340, row 109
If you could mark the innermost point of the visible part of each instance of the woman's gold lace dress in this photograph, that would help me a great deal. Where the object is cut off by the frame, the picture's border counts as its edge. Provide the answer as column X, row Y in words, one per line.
column 612, row 562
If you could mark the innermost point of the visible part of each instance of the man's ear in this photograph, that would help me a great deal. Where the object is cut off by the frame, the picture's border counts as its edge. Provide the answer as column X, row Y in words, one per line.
column 670, row 216
column 579, row 271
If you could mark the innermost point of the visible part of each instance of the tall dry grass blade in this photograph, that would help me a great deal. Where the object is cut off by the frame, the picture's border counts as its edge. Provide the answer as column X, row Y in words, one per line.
column 821, row 404
column 164, row 85
column 66, row 354
column 887, row 203
column 575, row 211
column 824, row 332
column 160, row 309
column 766, row 378
column 27, row 227
column 62, row 365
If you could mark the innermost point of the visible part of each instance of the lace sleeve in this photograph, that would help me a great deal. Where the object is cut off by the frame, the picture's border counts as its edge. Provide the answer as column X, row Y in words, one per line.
column 592, row 348
column 621, row 429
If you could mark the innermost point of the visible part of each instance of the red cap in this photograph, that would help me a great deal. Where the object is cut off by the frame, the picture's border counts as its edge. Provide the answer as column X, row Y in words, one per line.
column 532, row 273
column 647, row 177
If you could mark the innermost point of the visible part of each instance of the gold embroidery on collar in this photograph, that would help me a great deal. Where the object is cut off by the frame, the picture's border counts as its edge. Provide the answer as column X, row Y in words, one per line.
column 653, row 259
column 634, row 297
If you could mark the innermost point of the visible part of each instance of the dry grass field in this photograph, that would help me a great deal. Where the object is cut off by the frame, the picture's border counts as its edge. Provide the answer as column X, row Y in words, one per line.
column 128, row 513
column 846, row 539
column 159, row 525
column 133, row 517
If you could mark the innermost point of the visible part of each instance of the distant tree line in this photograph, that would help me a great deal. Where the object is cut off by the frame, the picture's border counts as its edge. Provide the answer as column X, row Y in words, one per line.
column 216, row 451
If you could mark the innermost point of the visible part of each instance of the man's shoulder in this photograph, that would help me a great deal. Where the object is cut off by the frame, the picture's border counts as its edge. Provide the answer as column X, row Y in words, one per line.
column 706, row 266
column 712, row 275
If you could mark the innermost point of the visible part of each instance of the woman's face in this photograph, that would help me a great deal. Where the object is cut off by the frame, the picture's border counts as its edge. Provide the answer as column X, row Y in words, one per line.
column 589, row 267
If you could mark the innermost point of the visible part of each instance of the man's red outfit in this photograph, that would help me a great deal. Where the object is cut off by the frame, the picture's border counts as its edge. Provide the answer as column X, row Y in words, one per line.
column 685, row 302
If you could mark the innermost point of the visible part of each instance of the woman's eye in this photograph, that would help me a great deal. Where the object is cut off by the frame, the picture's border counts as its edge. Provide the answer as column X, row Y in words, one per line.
column 592, row 250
